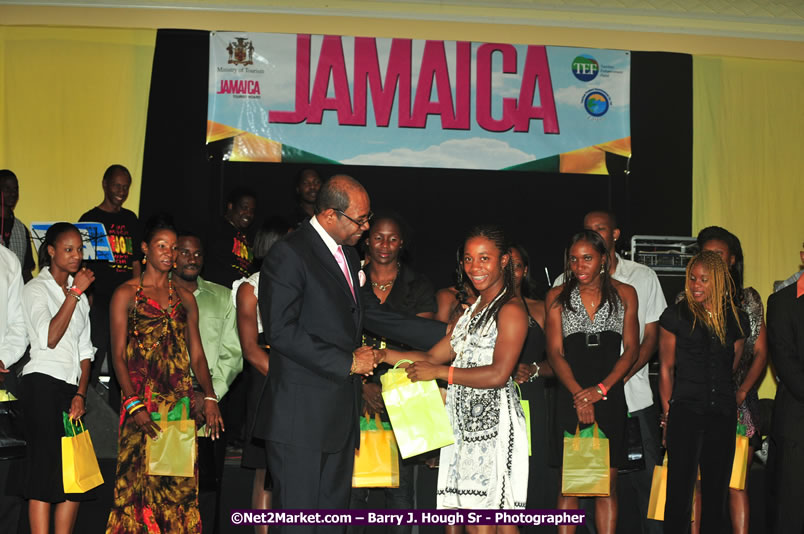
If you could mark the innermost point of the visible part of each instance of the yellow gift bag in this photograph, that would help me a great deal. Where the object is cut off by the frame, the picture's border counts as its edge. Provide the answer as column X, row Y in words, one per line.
column 377, row 460
column 740, row 466
column 173, row 452
column 417, row 413
column 585, row 470
column 658, row 491
column 79, row 465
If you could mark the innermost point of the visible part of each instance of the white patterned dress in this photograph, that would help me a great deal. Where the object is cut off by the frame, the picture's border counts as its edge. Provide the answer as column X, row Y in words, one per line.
column 487, row 466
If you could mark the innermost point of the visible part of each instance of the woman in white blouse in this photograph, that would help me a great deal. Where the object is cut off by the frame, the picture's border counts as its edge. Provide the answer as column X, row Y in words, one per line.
column 56, row 379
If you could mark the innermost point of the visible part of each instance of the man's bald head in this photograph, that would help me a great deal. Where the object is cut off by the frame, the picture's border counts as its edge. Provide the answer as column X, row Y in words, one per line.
column 343, row 209
column 337, row 192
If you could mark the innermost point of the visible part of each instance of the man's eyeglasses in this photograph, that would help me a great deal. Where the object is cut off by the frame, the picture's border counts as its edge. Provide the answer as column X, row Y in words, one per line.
column 366, row 220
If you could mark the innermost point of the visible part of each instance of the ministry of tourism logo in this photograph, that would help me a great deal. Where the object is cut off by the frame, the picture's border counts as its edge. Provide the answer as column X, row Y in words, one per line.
column 596, row 102
column 585, row 68
column 241, row 52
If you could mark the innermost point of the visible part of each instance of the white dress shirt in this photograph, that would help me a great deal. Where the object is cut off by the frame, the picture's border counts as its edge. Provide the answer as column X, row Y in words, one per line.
column 41, row 299
column 13, row 339
column 328, row 241
column 638, row 394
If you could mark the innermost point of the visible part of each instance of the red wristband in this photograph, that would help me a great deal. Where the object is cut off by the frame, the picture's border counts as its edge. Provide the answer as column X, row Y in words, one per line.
column 603, row 388
column 75, row 290
column 449, row 375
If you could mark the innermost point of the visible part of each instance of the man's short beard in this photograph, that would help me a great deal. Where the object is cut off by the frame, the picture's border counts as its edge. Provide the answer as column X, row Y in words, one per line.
column 187, row 277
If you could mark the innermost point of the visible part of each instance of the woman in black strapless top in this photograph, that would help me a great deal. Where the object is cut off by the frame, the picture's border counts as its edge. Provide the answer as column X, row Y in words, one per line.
column 531, row 373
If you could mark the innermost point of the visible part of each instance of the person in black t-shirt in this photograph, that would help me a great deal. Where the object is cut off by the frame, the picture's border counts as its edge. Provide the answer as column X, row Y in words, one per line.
column 700, row 338
column 308, row 183
column 14, row 235
column 229, row 256
column 124, row 232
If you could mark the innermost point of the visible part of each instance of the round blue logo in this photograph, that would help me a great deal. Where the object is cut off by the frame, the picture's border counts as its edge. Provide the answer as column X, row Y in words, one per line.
column 596, row 102
column 585, row 68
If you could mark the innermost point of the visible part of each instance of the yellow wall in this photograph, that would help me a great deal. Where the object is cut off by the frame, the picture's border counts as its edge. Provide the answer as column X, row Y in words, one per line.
column 747, row 161
column 72, row 102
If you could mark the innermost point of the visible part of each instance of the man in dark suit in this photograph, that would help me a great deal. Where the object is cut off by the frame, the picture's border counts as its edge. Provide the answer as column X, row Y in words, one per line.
column 314, row 314
column 786, row 447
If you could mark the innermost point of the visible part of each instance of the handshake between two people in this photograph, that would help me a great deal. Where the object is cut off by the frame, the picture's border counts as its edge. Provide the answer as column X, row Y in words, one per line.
column 365, row 359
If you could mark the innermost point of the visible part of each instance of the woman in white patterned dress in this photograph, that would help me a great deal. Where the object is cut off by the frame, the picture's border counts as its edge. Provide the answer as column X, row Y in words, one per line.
column 486, row 467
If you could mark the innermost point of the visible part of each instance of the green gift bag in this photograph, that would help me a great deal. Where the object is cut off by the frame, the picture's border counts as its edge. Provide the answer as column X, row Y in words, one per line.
column 585, row 470
column 416, row 411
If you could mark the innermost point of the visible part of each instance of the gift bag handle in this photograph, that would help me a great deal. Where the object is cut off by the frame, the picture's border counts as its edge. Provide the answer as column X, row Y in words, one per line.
column 402, row 361
column 163, row 415
column 184, row 417
column 576, row 440
column 377, row 420
column 73, row 423
column 519, row 391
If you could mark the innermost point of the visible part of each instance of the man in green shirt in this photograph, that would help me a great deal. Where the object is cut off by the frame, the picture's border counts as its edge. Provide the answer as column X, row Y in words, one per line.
column 217, row 322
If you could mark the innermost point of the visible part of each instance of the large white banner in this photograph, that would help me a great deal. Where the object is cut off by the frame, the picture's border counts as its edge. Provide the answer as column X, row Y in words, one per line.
column 404, row 102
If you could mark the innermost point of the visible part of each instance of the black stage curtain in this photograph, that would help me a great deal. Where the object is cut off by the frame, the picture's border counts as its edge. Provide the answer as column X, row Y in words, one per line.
column 651, row 194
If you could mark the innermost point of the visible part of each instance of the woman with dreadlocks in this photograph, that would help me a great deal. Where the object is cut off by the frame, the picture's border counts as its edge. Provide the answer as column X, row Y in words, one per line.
column 486, row 466
column 701, row 340
column 592, row 342
column 747, row 371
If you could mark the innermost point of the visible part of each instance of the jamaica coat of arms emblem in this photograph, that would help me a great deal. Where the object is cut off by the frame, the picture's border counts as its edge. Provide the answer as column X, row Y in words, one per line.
column 241, row 52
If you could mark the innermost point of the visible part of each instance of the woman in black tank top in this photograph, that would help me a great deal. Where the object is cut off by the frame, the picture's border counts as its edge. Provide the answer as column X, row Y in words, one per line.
column 531, row 374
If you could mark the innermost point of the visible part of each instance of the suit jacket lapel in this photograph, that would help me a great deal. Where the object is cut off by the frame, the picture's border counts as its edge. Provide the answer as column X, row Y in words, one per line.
column 327, row 259
column 353, row 259
column 798, row 305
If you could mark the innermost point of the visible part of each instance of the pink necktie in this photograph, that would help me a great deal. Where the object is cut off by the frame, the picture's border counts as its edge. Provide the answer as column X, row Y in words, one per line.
column 344, row 269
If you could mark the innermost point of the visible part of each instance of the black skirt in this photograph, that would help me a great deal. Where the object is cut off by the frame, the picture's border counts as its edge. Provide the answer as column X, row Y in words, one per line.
column 44, row 400
column 254, row 448
column 590, row 365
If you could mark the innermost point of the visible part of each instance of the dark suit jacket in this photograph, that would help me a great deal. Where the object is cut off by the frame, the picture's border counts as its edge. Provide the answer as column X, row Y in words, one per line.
column 313, row 324
column 786, row 343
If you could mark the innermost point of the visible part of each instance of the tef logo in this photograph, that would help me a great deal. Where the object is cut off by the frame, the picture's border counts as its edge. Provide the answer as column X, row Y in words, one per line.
column 585, row 68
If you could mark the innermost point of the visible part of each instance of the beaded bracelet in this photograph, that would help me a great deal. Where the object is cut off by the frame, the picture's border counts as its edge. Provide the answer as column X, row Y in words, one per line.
column 536, row 374
column 136, row 409
column 134, row 405
column 213, row 399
